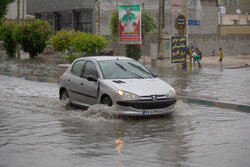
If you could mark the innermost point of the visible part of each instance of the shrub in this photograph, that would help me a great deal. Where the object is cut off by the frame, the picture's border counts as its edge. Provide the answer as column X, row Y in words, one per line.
column 62, row 41
column 89, row 44
column 9, row 41
column 133, row 51
column 32, row 36
column 84, row 43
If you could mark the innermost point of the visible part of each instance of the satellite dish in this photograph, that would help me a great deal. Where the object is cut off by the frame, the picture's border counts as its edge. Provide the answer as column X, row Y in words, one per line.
column 238, row 11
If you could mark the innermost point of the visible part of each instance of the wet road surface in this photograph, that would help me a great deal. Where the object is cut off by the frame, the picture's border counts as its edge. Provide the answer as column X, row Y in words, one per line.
column 229, row 85
column 36, row 130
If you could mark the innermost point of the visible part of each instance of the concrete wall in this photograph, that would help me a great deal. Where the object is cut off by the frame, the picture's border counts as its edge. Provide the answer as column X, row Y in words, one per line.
column 231, row 44
column 208, row 22
column 234, row 29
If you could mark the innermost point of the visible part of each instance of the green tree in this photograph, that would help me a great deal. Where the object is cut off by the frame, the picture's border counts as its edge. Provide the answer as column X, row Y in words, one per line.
column 114, row 25
column 9, row 40
column 148, row 25
column 33, row 35
column 3, row 7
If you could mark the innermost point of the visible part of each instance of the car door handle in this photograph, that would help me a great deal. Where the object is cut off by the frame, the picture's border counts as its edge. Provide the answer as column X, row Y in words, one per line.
column 81, row 84
column 68, row 80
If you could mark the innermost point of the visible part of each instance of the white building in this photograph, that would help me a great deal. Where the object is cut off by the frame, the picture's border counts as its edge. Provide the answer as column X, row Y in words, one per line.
column 12, row 10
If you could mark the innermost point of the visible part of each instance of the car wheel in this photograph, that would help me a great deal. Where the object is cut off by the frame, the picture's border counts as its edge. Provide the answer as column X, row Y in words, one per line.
column 107, row 101
column 64, row 95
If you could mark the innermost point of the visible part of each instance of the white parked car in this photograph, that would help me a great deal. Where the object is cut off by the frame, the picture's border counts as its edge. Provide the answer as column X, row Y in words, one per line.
column 119, row 81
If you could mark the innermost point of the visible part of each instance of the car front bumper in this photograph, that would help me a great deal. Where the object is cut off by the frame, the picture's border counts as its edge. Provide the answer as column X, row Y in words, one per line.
column 146, row 107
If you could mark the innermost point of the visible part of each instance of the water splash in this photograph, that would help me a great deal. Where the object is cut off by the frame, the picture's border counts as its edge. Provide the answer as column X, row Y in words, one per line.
column 93, row 113
column 183, row 109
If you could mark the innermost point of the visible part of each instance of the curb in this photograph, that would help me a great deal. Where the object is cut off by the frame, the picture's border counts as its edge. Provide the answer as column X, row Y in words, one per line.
column 30, row 77
column 212, row 103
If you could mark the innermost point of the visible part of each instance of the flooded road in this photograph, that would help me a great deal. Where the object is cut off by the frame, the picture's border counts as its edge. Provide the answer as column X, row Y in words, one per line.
column 230, row 85
column 37, row 130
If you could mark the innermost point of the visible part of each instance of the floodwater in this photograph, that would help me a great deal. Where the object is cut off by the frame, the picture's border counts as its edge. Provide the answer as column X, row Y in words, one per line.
column 229, row 85
column 37, row 130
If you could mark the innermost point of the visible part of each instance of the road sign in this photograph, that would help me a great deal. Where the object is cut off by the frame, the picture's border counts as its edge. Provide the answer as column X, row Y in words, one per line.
column 180, row 22
column 194, row 22
column 178, row 49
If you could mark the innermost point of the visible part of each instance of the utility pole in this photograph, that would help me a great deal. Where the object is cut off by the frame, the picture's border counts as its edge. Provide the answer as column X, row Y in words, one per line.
column 18, row 21
column 185, row 14
column 23, row 11
column 98, row 18
column 160, row 28
column 143, row 33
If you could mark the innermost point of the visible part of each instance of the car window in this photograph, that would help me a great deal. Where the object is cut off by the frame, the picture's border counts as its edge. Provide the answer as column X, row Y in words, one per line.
column 89, row 69
column 77, row 68
column 124, row 69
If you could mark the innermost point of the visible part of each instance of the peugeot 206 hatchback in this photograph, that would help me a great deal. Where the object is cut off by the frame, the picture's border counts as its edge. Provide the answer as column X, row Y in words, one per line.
column 119, row 81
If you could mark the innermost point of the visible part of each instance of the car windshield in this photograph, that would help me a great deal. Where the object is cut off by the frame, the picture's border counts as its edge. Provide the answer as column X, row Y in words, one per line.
column 124, row 69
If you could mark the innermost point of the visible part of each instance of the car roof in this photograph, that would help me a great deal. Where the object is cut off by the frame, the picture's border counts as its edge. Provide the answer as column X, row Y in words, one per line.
column 103, row 58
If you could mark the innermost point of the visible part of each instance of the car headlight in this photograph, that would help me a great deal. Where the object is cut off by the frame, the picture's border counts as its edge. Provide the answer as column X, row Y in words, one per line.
column 172, row 93
column 128, row 95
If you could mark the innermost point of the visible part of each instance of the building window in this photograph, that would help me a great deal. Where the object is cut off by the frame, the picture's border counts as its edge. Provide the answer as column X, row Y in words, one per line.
column 64, row 21
column 84, row 20
column 235, row 22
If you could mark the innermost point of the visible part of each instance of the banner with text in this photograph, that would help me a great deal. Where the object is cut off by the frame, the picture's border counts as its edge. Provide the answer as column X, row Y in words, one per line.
column 130, row 24
column 176, row 6
column 178, row 49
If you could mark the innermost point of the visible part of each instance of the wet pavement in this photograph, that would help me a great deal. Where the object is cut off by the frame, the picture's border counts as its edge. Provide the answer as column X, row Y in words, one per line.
column 36, row 129
column 229, row 85
column 212, row 82
column 47, row 67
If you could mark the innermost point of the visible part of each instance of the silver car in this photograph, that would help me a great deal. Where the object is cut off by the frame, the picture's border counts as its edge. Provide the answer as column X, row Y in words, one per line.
column 119, row 81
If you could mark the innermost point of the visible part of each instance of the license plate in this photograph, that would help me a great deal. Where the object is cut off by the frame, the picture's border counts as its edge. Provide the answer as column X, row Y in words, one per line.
column 152, row 112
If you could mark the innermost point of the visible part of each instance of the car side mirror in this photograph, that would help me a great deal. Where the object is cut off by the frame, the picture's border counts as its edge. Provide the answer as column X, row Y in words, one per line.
column 92, row 78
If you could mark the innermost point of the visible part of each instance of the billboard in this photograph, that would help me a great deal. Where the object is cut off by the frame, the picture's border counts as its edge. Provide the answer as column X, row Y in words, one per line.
column 130, row 24
column 178, row 49
column 176, row 6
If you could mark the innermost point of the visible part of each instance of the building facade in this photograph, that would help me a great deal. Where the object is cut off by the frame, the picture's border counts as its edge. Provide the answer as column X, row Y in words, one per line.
column 11, row 14
column 236, row 6
column 65, row 14
column 206, row 11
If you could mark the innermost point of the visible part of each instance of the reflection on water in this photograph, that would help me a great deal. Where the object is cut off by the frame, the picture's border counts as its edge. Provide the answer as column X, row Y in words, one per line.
column 120, row 144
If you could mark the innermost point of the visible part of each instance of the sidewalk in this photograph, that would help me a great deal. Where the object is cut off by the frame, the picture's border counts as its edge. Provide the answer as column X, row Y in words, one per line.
column 238, row 61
